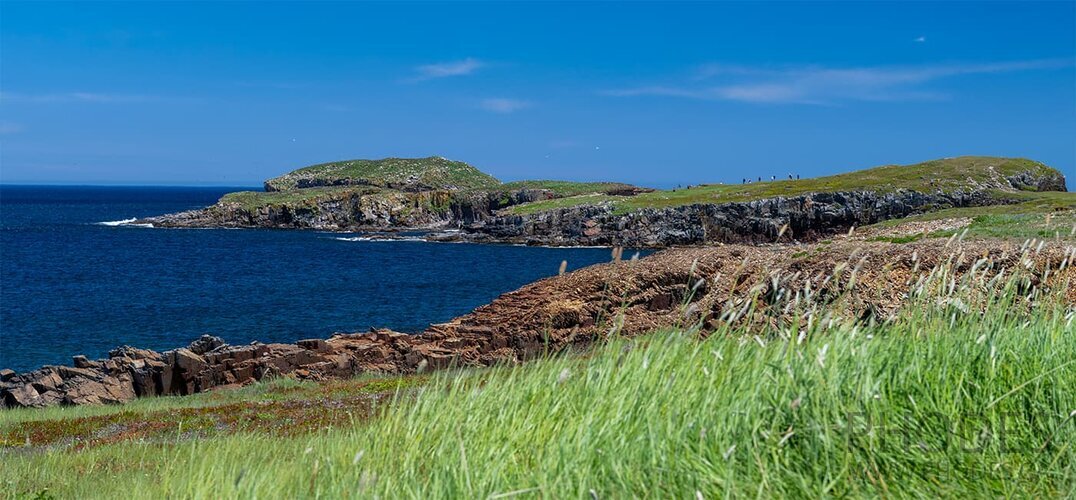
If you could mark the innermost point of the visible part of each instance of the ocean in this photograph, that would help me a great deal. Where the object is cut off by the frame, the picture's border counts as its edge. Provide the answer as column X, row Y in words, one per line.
column 74, row 281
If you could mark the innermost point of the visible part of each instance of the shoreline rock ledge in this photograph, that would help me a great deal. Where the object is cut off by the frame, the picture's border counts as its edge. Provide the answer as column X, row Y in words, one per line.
column 209, row 363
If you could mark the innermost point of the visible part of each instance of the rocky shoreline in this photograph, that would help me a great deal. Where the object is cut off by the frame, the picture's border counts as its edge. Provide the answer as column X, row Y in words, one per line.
column 555, row 314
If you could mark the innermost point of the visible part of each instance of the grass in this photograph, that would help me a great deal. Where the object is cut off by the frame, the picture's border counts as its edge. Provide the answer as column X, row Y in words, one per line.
column 951, row 174
column 308, row 197
column 567, row 202
column 563, row 189
column 1045, row 215
column 429, row 173
column 969, row 393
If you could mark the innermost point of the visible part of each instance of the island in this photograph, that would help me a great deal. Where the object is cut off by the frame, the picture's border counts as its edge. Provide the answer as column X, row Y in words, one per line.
column 453, row 201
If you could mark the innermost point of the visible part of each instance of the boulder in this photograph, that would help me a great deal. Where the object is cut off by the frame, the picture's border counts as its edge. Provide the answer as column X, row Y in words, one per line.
column 81, row 361
column 187, row 361
column 133, row 353
column 21, row 396
column 205, row 343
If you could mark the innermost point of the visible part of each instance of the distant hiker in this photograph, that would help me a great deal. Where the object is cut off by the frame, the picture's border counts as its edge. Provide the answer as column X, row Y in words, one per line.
column 789, row 176
column 797, row 177
column 760, row 178
column 744, row 180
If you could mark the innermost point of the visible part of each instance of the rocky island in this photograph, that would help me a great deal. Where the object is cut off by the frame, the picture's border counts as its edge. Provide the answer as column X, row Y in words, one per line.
column 435, row 194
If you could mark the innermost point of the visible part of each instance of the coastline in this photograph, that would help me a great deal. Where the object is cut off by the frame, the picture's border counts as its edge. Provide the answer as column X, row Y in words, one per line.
column 557, row 314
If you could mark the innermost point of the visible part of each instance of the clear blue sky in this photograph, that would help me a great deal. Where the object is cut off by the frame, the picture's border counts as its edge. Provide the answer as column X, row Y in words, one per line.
column 232, row 93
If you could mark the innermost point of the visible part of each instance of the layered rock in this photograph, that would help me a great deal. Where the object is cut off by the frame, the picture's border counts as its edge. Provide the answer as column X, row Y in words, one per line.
column 768, row 220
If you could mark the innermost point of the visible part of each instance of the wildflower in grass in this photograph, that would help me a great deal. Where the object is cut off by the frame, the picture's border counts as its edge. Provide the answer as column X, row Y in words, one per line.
column 563, row 377
column 822, row 355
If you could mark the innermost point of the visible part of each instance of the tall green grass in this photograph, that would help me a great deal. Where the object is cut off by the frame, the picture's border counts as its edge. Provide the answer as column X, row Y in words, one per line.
column 969, row 393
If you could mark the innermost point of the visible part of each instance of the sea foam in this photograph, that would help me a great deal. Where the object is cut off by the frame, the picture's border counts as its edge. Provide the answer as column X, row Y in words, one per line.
column 124, row 222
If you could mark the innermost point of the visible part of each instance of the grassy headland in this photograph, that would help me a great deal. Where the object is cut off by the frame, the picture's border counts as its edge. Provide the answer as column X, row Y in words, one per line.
column 385, row 181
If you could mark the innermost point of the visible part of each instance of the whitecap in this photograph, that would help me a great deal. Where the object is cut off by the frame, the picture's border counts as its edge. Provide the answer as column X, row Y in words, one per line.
column 367, row 238
column 119, row 222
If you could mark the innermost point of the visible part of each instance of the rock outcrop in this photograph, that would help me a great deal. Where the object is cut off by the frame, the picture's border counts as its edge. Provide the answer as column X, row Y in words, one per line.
column 687, row 286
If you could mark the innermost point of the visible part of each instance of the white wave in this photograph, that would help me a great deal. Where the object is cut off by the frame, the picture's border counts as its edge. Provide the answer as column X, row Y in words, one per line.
column 367, row 238
column 123, row 222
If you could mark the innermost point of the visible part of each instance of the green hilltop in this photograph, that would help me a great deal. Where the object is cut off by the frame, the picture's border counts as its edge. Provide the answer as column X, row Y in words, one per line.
column 405, row 174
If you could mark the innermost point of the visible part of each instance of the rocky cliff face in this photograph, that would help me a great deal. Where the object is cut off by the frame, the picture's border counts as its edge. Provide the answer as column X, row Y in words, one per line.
column 1030, row 181
column 801, row 217
column 382, row 210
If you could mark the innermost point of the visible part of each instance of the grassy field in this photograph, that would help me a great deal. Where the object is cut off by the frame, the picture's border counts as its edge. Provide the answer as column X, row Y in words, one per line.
column 970, row 393
column 252, row 200
column 947, row 175
column 567, row 188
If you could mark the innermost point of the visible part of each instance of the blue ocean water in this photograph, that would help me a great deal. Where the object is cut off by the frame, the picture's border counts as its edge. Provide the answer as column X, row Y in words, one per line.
column 70, row 285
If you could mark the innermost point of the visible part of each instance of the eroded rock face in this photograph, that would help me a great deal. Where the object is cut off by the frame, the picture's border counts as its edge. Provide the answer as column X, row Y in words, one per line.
column 551, row 315
column 803, row 218
column 357, row 211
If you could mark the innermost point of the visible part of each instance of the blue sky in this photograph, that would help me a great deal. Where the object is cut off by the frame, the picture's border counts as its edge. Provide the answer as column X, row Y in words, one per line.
column 232, row 93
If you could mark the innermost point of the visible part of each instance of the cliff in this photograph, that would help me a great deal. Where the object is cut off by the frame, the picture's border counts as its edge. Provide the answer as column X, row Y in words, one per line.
column 803, row 217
